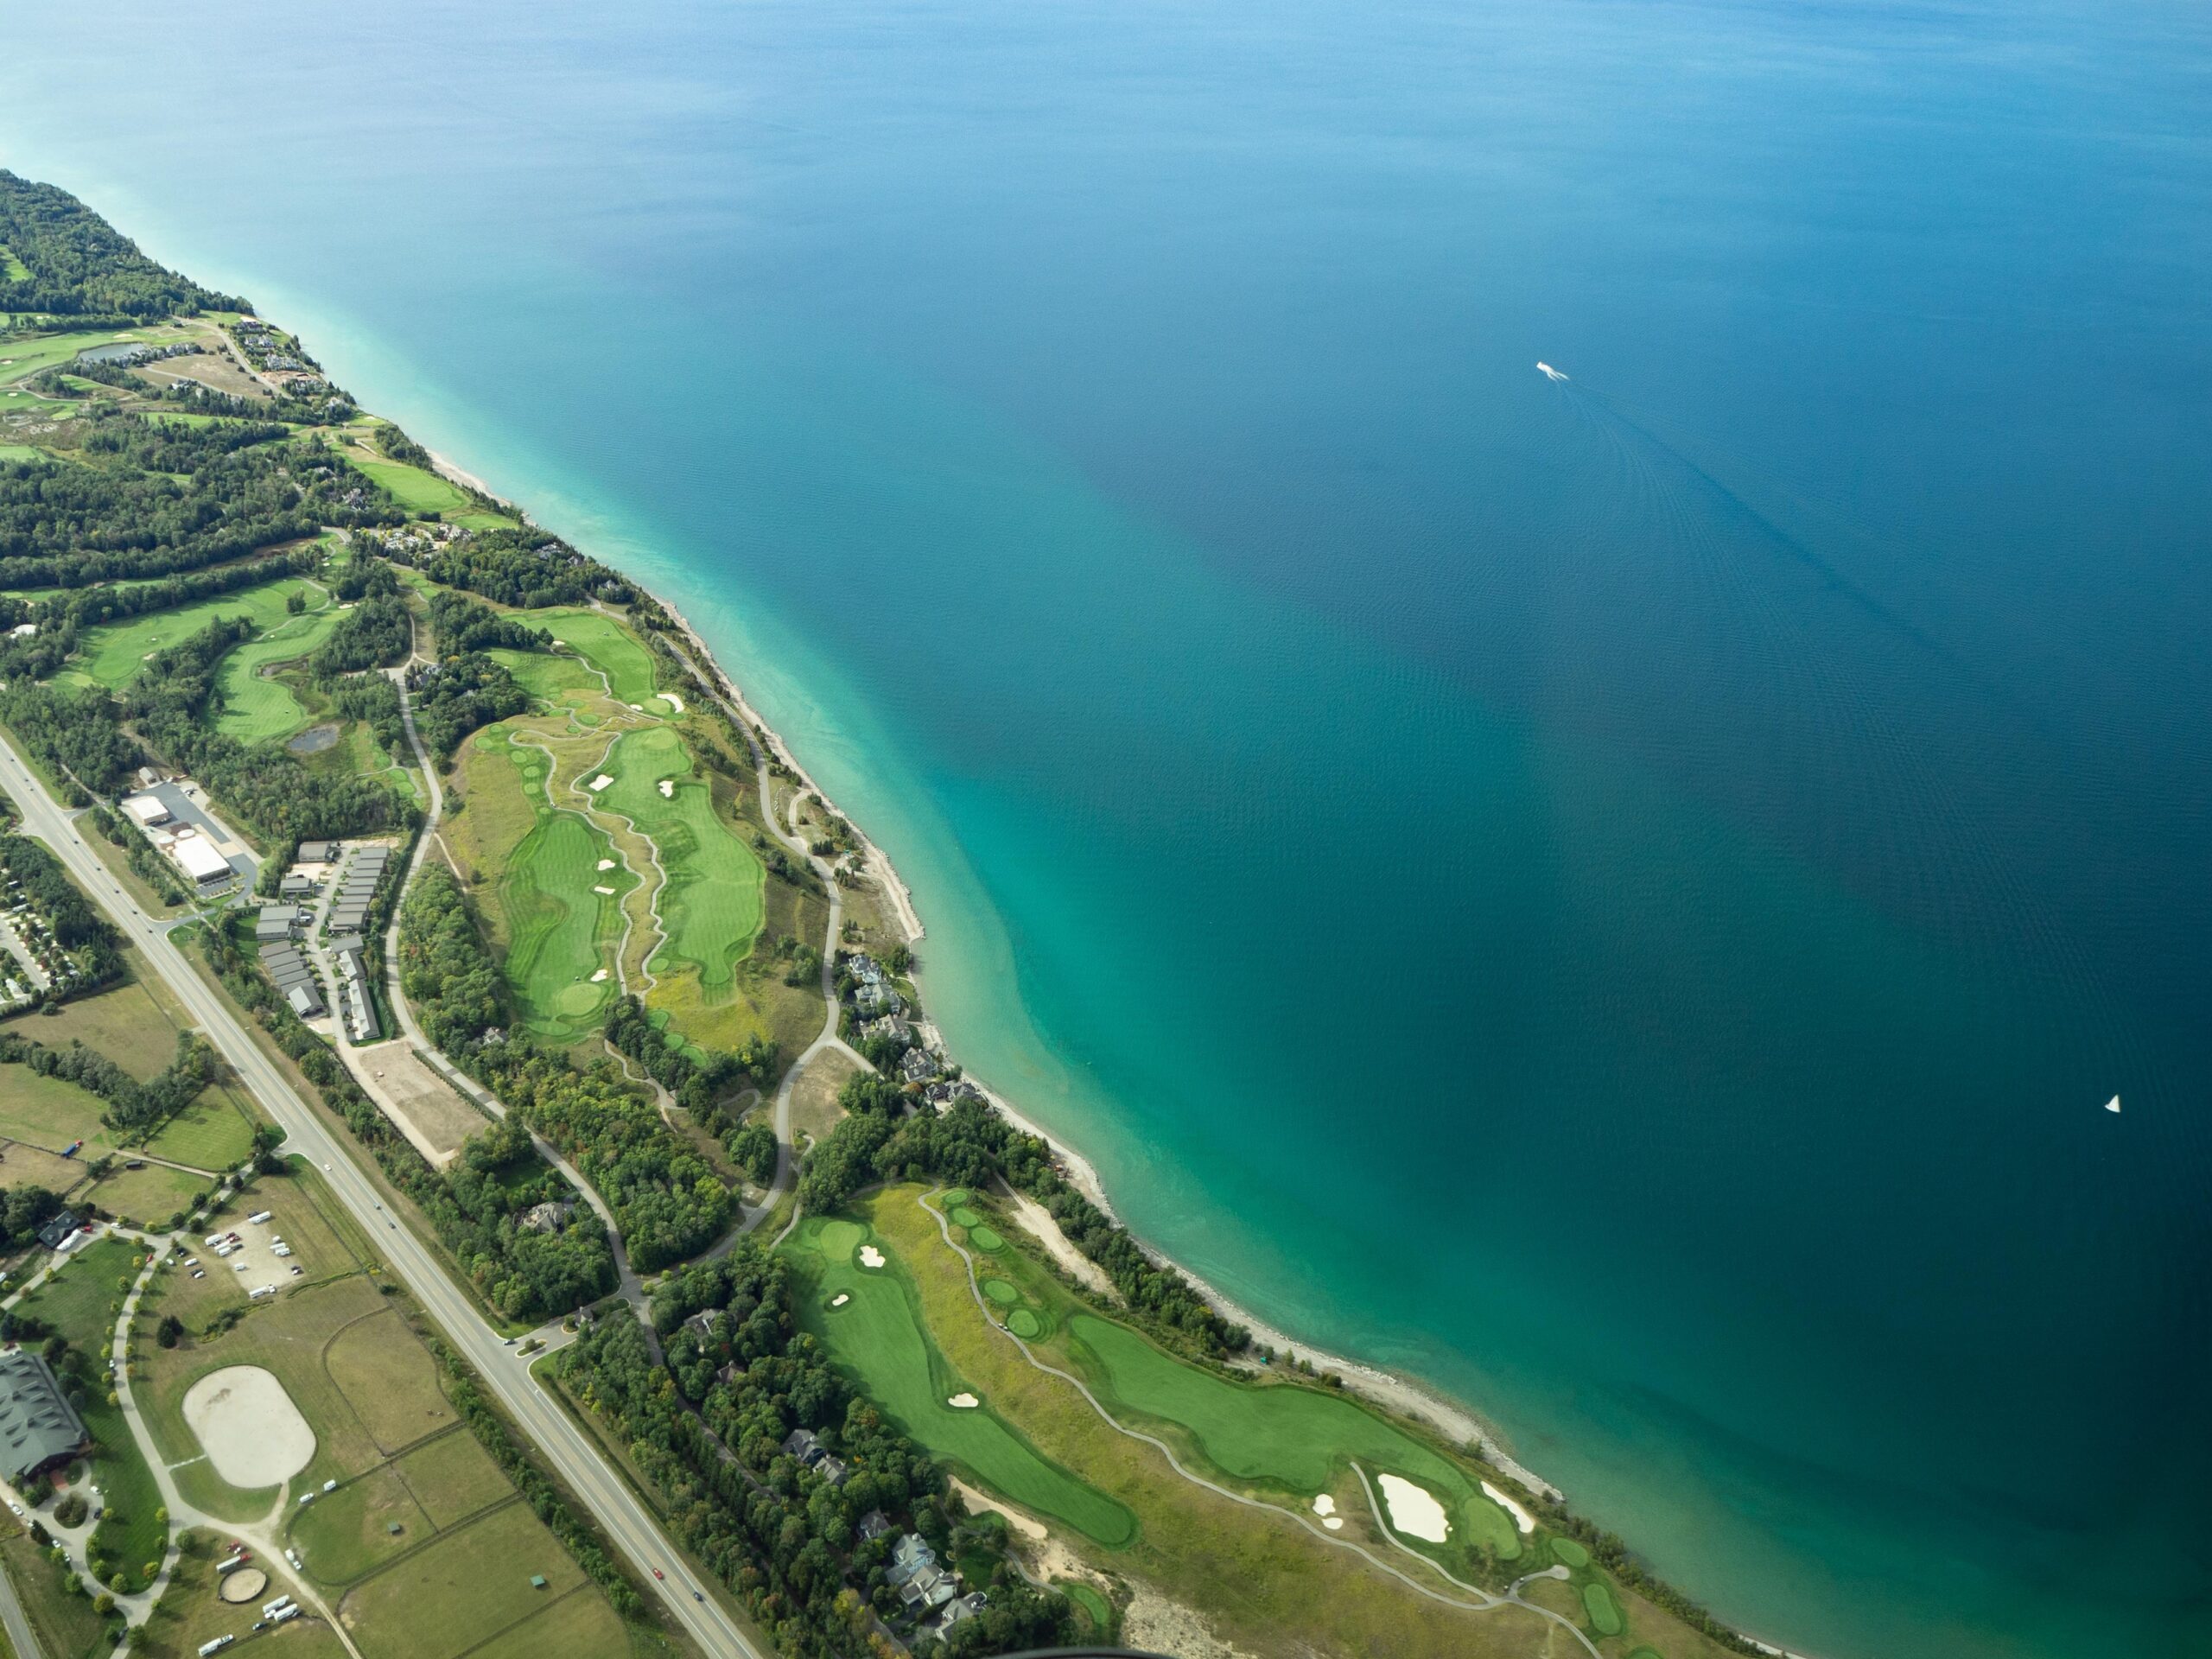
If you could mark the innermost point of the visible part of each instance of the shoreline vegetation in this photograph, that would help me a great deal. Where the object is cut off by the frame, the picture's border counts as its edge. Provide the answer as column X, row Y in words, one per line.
column 298, row 449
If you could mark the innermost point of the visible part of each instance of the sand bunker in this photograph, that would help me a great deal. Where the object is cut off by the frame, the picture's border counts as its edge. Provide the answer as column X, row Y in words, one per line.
column 964, row 1402
column 605, row 863
column 840, row 1299
column 254, row 1434
column 870, row 1256
column 1414, row 1509
column 667, row 790
column 599, row 977
column 1326, row 1507
column 604, row 893
column 598, row 783
column 245, row 1584
column 671, row 698
column 1521, row 1518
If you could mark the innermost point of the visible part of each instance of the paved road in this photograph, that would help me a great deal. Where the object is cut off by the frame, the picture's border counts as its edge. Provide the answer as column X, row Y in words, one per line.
column 627, row 1523
column 18, row 1626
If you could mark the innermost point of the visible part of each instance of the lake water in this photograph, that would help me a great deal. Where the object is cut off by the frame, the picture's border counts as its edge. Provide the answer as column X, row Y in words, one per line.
column 1625, row 897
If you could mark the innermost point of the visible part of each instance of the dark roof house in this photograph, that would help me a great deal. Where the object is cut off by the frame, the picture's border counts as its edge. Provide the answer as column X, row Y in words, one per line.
column 38, row 1427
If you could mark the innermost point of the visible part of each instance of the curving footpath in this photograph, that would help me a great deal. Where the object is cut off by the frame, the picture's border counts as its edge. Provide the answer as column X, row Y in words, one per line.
column 629, row 1526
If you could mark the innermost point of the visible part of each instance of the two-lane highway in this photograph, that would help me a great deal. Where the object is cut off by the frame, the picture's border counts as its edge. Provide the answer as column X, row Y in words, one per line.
column 625, row 1521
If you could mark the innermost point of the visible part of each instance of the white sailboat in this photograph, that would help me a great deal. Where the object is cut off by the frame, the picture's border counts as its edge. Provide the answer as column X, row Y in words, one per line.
column 2112, row 1105
column 1549, row 373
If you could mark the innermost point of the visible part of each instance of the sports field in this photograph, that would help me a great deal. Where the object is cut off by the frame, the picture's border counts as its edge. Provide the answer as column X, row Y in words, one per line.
column 258, row 709
column 880, row 1336
column 112, row 654
column 709, row 908
column 610, row 647
column 1281, row 1435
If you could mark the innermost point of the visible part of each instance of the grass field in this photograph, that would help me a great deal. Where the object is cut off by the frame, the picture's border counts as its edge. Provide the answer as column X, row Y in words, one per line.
column 213, row 1133
column 66, row 1625
column 423, row 493
column 466, row 1587
column 709, row 908
column 149, row 1195
column 1295, row 1439
column 391, row 1382
column 112, row 654
column 609, row 647
column 345, row 1536
column 124, row 1022
column 578, row 1623
column 558, row 929
column 881, row 1338
column 257, row 709
column 1257, row 1572
column 50, row 1112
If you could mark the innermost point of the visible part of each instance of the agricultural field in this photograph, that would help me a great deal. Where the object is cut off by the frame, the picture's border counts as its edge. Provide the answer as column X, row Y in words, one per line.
column 1258, row 1570
column 125, row 1022
column 466, row 1586
column 114, row 653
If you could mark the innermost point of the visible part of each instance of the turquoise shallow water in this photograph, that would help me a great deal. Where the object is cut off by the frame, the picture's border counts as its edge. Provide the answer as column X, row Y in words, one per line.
column 1623, row 897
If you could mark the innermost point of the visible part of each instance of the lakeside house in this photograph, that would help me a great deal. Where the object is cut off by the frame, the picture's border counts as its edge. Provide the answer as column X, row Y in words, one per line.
column 944, row 1096
column 890, row 1028
column 918, row 1065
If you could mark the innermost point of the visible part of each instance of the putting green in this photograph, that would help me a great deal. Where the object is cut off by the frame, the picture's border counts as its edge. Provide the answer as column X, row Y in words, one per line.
column 956, row 1195
column 711, row 905
column 1645, row 1653
column 984, row 1239
column 963, row 1217
column 1566, row 1551
column 1094, row 1605
column 1605, row 1612
column 1025, row 1324
column 1000, row 1292
column 1296, row 1438
column 837, row 1239
column 881, row 1338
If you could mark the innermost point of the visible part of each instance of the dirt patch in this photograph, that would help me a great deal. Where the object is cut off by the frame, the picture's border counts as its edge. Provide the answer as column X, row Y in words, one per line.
column 1157, row 1625
column 422, row 1105
column 815, row 1110
column 1039, row 1220
column 254, row 1434
column 243, row 1585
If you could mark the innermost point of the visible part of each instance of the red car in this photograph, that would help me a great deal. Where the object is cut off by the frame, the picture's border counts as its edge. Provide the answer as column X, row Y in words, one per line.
column 658, row 1573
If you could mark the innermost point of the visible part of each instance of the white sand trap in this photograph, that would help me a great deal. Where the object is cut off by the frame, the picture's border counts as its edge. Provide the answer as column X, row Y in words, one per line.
column 1521, row 1518
column 840, row 1299
column 870, row 1256
column 1324, row 1505
column 667, row 790
column 671, row 698
column 607, row 892
column 964, row 1402
column 1414, row 1509
column 636, row 708
column 598, row 783
column 605, row 863
column 1333, row 1522
column 600, row 977
column 254, row 1434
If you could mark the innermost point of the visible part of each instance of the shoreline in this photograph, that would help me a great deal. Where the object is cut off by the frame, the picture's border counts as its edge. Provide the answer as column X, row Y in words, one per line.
column 1406, row 1396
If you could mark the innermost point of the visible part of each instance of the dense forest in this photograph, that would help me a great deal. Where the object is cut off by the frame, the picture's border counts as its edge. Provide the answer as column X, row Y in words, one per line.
column 456, row 696
column 80, row 266
column 667, row 1200
column 526, row 569
column 777, row 1534
column 154, row 498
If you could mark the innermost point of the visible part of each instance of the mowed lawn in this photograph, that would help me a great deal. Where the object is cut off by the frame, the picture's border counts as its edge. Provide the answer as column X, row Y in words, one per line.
column 112, row 653
column 610, row 647
column 468, row 1587
column 1276, row 1434
column 124, row 1022
column 710, row 905
column 422, row 492
column 880, row 1338
column 346, row 1534
column 559, row 930
column 257, row 709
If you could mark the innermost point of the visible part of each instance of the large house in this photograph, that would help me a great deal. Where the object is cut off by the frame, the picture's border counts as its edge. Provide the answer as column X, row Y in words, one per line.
column 38, row 1428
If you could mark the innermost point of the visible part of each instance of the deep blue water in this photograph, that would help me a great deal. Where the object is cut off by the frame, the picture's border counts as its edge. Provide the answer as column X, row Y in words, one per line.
column 1623, row 897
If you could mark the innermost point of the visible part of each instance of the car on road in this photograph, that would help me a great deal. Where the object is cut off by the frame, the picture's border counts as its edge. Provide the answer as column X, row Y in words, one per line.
column 698, row 1595
column 659, row 1574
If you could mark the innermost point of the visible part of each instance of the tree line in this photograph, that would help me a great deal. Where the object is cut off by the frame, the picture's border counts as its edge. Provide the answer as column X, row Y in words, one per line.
column 135, row 1108
column 80, row 265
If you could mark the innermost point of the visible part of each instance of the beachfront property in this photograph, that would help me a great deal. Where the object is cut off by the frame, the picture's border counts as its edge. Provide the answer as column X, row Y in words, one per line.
column 944, row 1096
column 889, row 1028
column 918, row 1065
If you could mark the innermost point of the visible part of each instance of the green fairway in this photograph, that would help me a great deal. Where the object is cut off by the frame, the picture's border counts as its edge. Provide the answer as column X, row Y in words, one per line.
column 29, row 357
column 984, row 1239
column 611, row 648
column 558, row 927
column 1570, row 1553
column 711, row 908
column 1605, row 1612
column 425, row 493
column 1000, row 1292
column 1291, row 1436
column 260, row 710
column 112, row 654
column 563, row 682
column 880, row 1338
